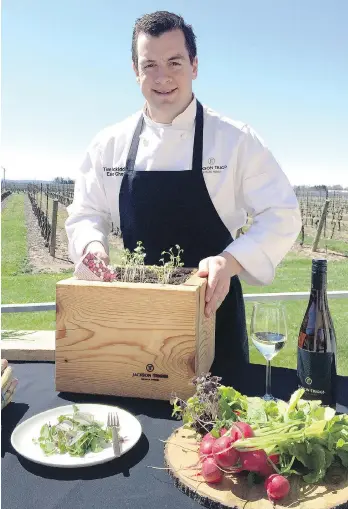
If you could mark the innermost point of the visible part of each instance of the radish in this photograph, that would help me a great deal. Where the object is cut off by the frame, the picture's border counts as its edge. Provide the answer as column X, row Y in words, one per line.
column 268, row 480
column 223, row 453
column 277, row 486
column 208, row 437
column 206, row 449
column 274, row 458
column 211, row 472
column 254, row 461
column 236, row 469
column 266, row 470
column 241, row 430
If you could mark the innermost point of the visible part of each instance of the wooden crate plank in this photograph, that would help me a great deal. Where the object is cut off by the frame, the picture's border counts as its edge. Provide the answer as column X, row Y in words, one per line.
column 124, row 307
column 126, row 364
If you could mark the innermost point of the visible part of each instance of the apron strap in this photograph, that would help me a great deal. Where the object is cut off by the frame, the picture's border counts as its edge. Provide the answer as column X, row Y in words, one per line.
column 197, row 156
column 132, row 154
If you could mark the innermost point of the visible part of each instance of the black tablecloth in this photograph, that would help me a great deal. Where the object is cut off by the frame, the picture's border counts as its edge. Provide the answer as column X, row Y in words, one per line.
column 124, row 483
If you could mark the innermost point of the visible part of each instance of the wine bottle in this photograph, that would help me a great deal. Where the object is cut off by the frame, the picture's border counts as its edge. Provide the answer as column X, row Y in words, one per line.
column 316, row 352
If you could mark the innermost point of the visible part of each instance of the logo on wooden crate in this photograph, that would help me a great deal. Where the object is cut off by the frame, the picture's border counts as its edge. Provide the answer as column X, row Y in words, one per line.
column 155, row 377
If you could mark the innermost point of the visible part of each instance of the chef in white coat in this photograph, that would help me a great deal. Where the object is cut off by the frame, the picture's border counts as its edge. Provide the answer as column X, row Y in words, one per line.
column 178, row 172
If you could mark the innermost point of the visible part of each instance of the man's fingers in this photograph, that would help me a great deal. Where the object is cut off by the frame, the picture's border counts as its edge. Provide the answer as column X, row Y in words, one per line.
column 203, row 268
column 213, row 280
column 214, row 305
column 98, row 250
column 218, row 281
column 217, row 298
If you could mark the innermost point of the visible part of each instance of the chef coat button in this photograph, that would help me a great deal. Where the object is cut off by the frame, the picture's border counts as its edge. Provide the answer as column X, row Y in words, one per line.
column 183, row 135
column 146, row 143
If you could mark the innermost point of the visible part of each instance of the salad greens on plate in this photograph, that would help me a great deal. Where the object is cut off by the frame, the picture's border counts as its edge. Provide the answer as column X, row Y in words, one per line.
column 75, row 434
column 307, row 437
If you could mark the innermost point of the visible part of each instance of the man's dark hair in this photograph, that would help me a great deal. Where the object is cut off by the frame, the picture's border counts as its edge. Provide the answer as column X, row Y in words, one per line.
column 156, row 24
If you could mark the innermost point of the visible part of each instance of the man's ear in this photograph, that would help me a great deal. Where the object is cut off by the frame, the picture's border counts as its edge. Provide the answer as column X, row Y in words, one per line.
column 194, row 68
column 135, row 69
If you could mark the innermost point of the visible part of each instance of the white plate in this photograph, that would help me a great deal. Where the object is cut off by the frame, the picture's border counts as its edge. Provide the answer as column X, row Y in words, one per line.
column 23, row 434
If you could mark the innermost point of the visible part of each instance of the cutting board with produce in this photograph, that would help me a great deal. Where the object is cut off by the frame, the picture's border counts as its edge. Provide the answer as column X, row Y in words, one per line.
column 235, row 451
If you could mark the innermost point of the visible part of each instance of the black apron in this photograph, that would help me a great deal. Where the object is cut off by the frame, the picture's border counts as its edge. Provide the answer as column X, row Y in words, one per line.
column 165, row 208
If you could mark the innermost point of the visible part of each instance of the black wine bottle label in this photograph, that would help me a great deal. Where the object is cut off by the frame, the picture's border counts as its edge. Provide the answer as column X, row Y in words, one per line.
column 315, row 374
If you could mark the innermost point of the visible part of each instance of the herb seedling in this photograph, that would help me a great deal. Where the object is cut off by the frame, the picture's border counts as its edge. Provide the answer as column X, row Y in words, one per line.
column 133, row 264
column 173, row 263
column 138, row 261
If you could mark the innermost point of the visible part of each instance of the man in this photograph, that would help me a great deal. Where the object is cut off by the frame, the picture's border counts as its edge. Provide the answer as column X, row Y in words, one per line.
column 179, row 173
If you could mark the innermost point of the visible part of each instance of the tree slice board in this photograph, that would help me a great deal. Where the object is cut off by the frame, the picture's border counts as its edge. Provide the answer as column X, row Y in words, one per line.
column 181, row 453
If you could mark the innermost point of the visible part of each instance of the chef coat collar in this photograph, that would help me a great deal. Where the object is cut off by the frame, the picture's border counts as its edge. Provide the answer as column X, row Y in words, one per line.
column 183, row 121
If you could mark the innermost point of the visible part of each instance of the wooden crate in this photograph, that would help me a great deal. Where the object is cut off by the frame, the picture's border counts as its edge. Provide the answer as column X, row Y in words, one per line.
column 132, row 339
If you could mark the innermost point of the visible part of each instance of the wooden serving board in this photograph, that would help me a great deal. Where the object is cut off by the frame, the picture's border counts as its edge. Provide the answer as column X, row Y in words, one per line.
column 181, row 453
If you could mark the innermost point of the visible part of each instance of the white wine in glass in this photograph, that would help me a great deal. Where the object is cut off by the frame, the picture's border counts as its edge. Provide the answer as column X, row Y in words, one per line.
column 269, row 334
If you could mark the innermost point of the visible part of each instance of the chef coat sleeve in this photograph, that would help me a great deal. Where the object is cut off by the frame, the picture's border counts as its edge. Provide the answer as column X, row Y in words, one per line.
column 264, row 191
column 89, row 217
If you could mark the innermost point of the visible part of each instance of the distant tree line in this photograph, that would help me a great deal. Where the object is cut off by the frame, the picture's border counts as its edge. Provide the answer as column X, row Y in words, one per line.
column 336, row 187
column 63, row 180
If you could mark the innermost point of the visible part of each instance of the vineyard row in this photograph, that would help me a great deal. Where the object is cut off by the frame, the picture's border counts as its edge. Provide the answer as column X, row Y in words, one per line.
column 48, row 227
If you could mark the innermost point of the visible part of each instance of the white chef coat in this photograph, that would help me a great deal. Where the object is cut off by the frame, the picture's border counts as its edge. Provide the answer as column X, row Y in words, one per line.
column 240, row 173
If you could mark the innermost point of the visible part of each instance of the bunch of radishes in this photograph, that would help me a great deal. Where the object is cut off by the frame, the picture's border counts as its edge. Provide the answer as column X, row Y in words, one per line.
column 99, row 268
column 219, row 456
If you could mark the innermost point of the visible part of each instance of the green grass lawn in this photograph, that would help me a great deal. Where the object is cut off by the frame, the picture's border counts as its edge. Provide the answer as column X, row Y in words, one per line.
column 18, row 284
column 293, row 275
column 13, row 237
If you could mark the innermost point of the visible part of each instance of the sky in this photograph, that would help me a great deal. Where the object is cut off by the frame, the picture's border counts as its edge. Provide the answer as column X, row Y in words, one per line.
column 279, row 65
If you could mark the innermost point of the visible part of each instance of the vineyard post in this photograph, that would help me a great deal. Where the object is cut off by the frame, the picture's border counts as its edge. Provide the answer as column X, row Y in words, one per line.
column 321, row 224
column 41, row 197
column 54, row 228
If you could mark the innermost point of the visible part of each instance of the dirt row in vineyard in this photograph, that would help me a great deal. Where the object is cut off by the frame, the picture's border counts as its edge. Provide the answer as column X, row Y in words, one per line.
column 339, row 234
column 306, row 252
column 39, row 256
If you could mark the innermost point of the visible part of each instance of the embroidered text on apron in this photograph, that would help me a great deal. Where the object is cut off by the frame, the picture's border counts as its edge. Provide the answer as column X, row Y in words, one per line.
column 165, row 208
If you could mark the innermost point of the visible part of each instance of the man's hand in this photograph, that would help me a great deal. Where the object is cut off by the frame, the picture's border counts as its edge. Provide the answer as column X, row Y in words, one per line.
column 98, row 249
column 219, row 270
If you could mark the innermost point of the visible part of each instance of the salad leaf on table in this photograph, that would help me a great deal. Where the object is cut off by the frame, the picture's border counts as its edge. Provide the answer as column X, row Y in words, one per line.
column 75, row 434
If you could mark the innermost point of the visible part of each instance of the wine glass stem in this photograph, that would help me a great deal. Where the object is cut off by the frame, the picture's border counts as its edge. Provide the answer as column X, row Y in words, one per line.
column 268, row 380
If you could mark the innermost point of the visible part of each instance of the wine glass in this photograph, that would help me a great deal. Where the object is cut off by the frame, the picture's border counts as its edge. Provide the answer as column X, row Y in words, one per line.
column 269, row 333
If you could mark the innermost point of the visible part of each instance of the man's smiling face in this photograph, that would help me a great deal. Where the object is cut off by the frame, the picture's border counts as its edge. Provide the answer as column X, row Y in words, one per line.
column 165, row 73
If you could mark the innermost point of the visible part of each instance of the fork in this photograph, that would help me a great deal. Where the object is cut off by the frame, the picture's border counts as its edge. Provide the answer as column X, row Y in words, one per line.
column 114, row 423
